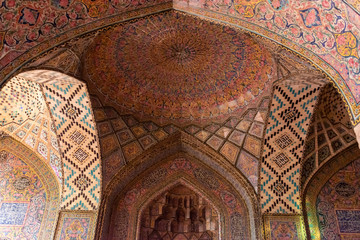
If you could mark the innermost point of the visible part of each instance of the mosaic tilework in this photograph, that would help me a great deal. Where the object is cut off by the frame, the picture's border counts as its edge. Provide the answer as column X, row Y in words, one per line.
column 330, row 132
column 338, row 205
column 219, row 57
column 25, row 117
column 76, row 225
column 166, row 175
column 348, row 220
column 284, row 227
column 290, row 115
column 123, row 138
column 300, row 23
column 63, row 59
column 70, row 108
column 30, row 193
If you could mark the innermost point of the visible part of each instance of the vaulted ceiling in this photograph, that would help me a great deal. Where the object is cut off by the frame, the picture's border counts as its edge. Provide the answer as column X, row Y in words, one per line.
column 326, row 32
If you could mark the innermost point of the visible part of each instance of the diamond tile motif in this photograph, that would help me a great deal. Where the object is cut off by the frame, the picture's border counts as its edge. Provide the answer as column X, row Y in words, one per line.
column 290, row 114
column 321, row 139
column 203, row 135
column 11, row 128
column 237, row 137
column 138, row 131
column 104, row 128
column 43, row 150
column 348, row 138
column 323, row 153
column 230, row 151
column 30, row 140
column 284, row 141
column 44, row 135
column 130, row 121
column 118, row 124
column 54, row 143
column 248, row 165
column 36, row 130
column 80, row 155
column 309, row 146
column 125, row 136
column 160, row 134
column 213, row 127
column 192, row 129
column 280, row 188
column 68, row 99
column 77, row 137
column 170, row 129
column 215, row 142
column 331, row 134
column 252, row 145
column 99, row 115
column 257, row 129
column 244, row 125
column 108, row 144
column 281, row 160
column 82, row 182
column 232, row 123
column 223, row 132
column 110, row 113
column 250, row 114
column 150, row 126
column 21, row 134
column 70, row 111
column 147, row 141
column 336, row 145
column 132, row 150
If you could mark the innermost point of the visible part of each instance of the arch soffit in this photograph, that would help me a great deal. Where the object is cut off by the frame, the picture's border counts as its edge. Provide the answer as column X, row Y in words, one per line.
column 175, row 143
column 33, row 119
column 318, row 180
column 180, row 178
column 47, row 177
column 91, row 28
column 313, row 133
column 70, row 110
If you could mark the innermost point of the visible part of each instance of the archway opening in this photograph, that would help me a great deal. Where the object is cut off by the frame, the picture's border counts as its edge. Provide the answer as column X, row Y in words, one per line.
column 179, row 213
column 29, row 193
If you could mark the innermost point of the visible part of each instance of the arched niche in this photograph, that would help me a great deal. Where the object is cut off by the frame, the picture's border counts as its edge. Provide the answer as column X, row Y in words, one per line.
column 179, row 211
column 68, row 103
column 321, row 185
column 196, row 153
column 29, row 193
column 181, row 168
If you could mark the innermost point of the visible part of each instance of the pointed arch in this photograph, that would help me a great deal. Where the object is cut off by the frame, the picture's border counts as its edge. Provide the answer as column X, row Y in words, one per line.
column 316, row 183
column 67, row 106
column 179, row 142
column 37, row 188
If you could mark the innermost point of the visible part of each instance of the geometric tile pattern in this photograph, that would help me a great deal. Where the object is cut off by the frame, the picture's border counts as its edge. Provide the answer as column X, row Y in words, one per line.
column 289, row 116
column 25, row 117
column 284, row 227
column 330, row 132
column 76, row 225
column 26, row 179
column 123, row 138
column 69, row 105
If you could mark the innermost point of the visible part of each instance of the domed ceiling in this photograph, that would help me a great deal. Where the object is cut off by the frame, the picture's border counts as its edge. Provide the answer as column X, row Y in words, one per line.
column 176, row 68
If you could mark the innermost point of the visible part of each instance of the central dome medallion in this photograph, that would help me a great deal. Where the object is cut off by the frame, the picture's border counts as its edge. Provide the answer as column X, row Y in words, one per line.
column 176, row 68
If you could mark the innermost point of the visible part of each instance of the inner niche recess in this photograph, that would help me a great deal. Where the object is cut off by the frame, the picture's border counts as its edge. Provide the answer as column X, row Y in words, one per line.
column 179, row 214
